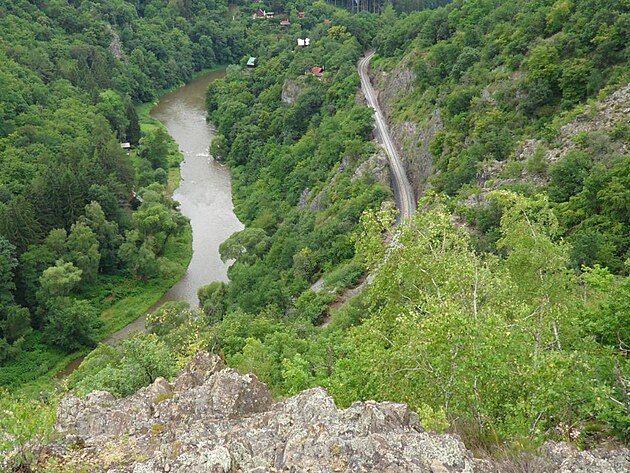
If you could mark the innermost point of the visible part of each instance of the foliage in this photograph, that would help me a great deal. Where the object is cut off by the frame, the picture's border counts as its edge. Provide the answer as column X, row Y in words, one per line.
column 64, row 179
column 282, row 154
column 26, row 425
column 492, row 341
column 123, row 369
column 517, row 330
column 503, row 72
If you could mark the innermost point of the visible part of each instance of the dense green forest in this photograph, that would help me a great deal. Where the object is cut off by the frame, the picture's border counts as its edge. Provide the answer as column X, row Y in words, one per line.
column 506, row 320
column 71, row 246
column 500, row 74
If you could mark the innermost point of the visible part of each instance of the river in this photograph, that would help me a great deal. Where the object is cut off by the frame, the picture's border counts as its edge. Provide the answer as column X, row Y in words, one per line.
column 204, row 194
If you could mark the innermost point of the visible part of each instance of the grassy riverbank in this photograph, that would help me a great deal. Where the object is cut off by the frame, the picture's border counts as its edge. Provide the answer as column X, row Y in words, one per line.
column 121, row 299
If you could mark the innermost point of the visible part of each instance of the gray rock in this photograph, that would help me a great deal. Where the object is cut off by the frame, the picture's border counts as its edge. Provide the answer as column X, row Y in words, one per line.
column 217, row 420
column 291, row 89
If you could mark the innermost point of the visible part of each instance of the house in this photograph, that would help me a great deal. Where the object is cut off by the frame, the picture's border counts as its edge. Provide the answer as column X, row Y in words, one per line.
column 327, row 21
column 317, row 72
column 301, row 14
column 303, row 42
column 285, row 23
column 134, row 200
column 125, row 146
column 261, row 14
column 251, row 62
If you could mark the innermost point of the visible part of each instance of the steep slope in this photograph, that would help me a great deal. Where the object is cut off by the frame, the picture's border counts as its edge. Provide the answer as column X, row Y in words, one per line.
column 474, row 89
column 402, row 189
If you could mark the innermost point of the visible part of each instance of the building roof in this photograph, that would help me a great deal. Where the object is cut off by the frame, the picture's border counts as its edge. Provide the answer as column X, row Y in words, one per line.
column 285, row 23
column 301, row 14
column 317, row 71
column 251, row 61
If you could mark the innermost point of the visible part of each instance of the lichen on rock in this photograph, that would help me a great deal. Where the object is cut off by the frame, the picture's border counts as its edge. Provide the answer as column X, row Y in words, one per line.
column 214, row 419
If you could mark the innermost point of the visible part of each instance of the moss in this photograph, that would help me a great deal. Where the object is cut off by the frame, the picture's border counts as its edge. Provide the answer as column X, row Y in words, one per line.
column 157, row 429
column 163, row 397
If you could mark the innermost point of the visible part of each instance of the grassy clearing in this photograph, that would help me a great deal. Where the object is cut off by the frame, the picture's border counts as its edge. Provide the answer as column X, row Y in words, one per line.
column 143, row 295
column 123, row 301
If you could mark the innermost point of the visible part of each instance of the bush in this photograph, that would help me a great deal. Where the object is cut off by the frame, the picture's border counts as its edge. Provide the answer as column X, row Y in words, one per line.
column 345, row 276
column 568, row 175
column 314, row 305
column 25, row 426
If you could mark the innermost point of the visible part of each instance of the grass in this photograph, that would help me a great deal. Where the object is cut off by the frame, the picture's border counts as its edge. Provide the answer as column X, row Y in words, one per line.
column 143, row 295
column 38, row 363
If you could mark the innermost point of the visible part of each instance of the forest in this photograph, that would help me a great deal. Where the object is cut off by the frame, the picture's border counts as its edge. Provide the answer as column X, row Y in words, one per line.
column 507, row 321
column 75, row 239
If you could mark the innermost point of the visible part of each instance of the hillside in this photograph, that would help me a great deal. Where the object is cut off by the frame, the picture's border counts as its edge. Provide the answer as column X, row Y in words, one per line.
column 518, row 95
column 79, row 256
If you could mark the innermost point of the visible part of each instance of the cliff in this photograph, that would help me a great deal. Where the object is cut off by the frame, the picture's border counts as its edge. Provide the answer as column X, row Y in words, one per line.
column 412, row 138
column 213, row 419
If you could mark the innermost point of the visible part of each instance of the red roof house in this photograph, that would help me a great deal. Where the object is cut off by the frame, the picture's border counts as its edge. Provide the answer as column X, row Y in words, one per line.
column 317, row 72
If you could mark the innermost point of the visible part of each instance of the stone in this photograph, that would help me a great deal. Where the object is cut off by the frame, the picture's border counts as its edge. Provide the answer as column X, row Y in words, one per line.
column 221, row 421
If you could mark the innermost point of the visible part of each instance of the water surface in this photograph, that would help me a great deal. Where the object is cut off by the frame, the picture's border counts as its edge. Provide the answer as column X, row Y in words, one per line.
column 204, row 193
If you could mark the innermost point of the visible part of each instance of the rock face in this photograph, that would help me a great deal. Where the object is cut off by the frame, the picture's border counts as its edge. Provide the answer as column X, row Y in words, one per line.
column 213, row 419
column 411, row 138
column 116, row 46
column 291, row 89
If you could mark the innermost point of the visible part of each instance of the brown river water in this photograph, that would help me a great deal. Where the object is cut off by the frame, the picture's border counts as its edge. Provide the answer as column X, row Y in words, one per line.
column 204, row 194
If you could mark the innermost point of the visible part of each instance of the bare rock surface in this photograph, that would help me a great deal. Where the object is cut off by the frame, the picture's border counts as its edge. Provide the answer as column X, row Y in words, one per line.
column 598, row 121
column 412, row 139
column 291, row 90
column 213, row 419
column 116, row 46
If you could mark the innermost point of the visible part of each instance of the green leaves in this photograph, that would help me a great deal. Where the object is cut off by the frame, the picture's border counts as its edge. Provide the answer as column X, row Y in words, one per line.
column 123, row 369
column 493, row 341
column 72, row 324
column 26, row 424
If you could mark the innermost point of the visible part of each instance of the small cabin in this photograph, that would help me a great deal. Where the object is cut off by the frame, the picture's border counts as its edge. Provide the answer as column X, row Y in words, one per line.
column 125, row 146
column 251, row 62
column 326, row 21
column 134, row 200
column 303, row 42
column 261, row 14
column 317, row 71
column 285, row 23
column 300, row 14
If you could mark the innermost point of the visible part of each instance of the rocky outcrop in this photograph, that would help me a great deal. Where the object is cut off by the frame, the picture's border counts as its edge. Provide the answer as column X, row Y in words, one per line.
column 591, row 130
column 213, row 419
column 291, row 90
column 375, row 168
column 412, row 139
column 116, row 46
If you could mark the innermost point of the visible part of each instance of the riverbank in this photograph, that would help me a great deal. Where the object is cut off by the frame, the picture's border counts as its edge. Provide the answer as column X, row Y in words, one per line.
column 122, row 300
